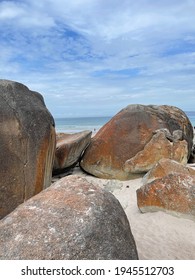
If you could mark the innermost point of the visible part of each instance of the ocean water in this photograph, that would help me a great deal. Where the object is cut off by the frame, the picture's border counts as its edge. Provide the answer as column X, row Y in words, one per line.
column 73, row 125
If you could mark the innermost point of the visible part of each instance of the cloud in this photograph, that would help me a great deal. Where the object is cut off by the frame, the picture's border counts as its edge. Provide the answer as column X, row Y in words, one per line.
column 94, row 57
column 20, row 14
column 10, row 10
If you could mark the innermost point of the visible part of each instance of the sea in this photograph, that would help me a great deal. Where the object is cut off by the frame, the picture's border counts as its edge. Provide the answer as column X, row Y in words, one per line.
column 74, row 125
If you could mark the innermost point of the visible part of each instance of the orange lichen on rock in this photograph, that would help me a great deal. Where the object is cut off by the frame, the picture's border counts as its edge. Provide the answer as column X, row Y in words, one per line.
column 174, row 193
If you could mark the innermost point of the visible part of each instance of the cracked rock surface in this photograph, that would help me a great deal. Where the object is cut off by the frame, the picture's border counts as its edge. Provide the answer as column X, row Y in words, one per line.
column 121, row 147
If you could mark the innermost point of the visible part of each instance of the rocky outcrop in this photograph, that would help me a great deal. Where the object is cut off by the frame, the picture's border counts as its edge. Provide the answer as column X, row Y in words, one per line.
column 69, row 148
column 27, row 143
column 72, row 219
column 128, row 132
column 164, row 167
column 162, row 145
column 174, row 194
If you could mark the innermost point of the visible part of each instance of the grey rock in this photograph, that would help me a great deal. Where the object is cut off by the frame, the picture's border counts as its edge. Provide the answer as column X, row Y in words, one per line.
column 27, row 142
column 72, row 219
column 177, row 135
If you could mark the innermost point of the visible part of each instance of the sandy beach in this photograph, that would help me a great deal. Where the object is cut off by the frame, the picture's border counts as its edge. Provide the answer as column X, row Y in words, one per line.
column 158, row 235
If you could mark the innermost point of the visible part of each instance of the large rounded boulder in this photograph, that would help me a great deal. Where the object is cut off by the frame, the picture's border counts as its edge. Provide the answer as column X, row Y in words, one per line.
column 72, row 219
column 122, row 147
column 27, row 145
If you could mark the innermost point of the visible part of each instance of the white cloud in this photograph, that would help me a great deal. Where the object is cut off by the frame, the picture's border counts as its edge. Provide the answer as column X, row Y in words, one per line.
column 96, row 52
column 113, row 19
column 9, row 10
column 20, row 14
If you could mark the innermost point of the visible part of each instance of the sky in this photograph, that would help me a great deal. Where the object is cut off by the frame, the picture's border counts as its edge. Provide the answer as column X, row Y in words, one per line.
column 95, row 57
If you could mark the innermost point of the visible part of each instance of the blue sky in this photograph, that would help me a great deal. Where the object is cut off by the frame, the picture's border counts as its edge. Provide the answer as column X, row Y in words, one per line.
column 94, row 57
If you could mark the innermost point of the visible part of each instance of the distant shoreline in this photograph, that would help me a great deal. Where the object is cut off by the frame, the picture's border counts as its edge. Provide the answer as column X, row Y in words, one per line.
column 74, row 125
column 78, row 124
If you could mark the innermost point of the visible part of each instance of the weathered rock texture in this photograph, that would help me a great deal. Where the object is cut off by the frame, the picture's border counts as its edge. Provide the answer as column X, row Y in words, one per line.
column 27, row 143
column 128, row 132
column 72, row 219
column 69, row 148
column 164, row 167
column 174, row 193
column 157, row 148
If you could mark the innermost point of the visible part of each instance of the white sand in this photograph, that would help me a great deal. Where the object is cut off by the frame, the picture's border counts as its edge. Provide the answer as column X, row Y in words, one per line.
column 158, row 235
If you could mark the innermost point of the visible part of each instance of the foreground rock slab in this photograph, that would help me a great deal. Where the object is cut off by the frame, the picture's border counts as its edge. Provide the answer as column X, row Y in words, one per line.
column 27, row 143
column 72, row 219
column 127, row 134
column 69, row 148
column 174, row 194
